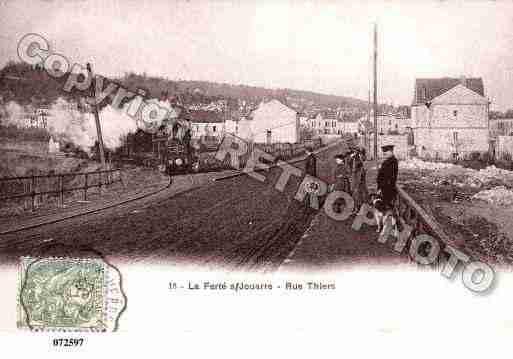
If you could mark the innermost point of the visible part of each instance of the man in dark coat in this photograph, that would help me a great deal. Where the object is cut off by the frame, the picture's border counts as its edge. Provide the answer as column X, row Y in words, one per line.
column 341, row 174
column 311, row 163
column 311, row 170
column 387, row 177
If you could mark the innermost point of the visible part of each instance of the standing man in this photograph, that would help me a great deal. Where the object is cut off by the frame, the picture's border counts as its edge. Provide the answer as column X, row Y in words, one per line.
column 387, row 177
column 310, row 170
column 341, row 174
column 311, row 162
column 358, row 180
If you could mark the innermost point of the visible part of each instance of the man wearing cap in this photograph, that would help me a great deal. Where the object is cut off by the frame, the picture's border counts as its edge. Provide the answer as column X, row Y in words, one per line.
column 311, row 162
column 387, row 176
column 358, row 179
column 341, row 174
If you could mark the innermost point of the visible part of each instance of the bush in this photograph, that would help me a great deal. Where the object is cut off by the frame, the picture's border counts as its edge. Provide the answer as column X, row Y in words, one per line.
column 484, row 157
column 502, row 164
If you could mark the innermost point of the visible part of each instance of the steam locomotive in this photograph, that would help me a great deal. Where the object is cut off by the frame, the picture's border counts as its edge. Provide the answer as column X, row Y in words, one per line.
column 175, row 152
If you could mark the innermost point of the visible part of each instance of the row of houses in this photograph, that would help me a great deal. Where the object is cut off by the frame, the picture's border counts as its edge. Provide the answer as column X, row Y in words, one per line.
column 449, row 117
column 328, row 123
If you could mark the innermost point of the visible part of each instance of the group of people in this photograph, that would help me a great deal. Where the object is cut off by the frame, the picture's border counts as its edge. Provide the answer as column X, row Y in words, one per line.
column 350, row 175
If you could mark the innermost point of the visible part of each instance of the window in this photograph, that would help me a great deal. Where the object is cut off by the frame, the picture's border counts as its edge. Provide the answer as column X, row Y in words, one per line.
column 214, row 128
column 455, row 113
column 334, row 124
column 326, row 124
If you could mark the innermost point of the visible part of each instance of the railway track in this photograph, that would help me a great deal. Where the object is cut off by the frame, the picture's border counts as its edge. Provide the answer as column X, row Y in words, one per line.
column 238, row 223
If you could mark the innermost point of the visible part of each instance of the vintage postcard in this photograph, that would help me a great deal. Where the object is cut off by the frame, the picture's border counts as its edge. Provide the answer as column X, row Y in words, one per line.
column 176, row 174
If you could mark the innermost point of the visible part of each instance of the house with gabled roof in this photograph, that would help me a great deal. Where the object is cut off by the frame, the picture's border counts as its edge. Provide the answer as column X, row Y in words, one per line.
column 206, row 123
column 450, row 117
column 324, row 122
column 274, row 122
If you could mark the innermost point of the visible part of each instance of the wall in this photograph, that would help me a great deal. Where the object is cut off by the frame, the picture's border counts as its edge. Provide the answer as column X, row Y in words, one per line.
column 282, row 134
column 434, row 129
column 443, row 116
column 281, row 120
column 440, row 142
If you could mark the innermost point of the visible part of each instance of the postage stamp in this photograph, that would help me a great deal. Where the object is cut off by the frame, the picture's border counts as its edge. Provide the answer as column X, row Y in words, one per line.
column 69, row 294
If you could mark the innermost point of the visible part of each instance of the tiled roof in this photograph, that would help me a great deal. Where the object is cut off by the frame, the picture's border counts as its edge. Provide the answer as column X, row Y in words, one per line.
column 203, row 116
column 428, row 89
column 327, row 115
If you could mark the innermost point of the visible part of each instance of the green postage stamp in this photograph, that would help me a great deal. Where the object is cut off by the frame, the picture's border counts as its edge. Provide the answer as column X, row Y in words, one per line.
column 69, row 294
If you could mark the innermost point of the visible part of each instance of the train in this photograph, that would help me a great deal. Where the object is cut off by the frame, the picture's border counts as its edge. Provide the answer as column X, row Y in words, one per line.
column 175, row 152
column 178, row 158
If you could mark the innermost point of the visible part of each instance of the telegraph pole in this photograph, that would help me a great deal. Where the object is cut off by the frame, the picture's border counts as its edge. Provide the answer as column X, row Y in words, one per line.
column 366, row 132
column 375, row 91
column 96, row 116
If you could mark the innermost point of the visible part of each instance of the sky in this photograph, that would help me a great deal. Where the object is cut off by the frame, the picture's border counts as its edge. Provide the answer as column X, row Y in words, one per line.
column 323, row 46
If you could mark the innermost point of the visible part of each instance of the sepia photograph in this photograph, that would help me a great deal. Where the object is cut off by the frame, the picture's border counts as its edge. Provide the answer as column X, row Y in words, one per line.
column 337, row 165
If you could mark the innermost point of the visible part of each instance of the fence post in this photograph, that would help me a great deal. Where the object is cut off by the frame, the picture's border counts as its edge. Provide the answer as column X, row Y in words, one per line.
column 121, row 179
column 100, row 184
column 26, row 190
column 85, row 187
column 61, row 191
column 33, row 192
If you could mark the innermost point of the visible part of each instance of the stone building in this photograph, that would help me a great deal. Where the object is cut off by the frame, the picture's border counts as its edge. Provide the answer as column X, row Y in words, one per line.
column 450, row 117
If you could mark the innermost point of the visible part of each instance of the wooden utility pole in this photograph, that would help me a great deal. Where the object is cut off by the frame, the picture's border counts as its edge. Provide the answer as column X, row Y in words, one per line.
column 96, row 116
column 366, row 132
column 375, row 91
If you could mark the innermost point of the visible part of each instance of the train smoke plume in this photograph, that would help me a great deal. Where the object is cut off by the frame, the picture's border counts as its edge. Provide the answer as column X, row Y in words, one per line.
column 67, row 124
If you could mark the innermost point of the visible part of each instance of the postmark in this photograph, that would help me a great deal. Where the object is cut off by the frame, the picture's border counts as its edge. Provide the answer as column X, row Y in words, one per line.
column 69, row 294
